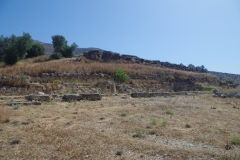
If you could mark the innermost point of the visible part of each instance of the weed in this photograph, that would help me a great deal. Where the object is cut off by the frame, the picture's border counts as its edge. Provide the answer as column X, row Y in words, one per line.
column 169, row 111
column 138, row 133
column 235, row 140
column 154, row 121
column 120, row 75
column 123, row 114
column 213, row 107
column 15, row 106
column 164, row 122
column 15, row 140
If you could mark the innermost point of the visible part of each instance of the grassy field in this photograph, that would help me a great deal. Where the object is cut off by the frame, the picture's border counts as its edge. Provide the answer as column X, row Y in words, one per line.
column 121, row 127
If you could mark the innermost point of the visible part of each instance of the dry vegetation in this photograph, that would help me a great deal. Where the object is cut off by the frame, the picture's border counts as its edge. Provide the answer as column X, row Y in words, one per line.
column 33, row 68
column 121, row 127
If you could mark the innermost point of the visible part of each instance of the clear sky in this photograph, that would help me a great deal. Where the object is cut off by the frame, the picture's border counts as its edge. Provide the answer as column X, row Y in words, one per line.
column 178, row 31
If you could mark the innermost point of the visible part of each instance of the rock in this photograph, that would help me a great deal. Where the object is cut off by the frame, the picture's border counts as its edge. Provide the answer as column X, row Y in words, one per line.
column 78, row 97
column 40, row 93
column 154, row 94
column 70, row 97
column 91, row 97
column 38, row 97
column 204, row 146
column 189, row 145
column 237, row 95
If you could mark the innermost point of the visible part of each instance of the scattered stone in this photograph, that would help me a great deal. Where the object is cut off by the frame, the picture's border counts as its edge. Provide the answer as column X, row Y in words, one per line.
column 15, row 140
column 228, row 147
column 119, row 153
column 189, row 145
column 204, row 146
column 38, row 97
column 41, row 93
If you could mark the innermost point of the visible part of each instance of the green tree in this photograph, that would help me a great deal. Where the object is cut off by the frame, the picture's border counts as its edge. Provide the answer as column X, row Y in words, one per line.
column 120, row 75
column 23, row 44
column 56, row 55
column 191, row 66
column 61, row 48
column 14, row 48
column 37, row 49
column 68, row 50
column 59, row 42
column 11, row 56
column 4, row 41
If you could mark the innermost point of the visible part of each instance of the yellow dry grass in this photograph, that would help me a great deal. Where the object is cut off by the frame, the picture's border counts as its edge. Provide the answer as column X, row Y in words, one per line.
column 32, row 68
column 97, row 130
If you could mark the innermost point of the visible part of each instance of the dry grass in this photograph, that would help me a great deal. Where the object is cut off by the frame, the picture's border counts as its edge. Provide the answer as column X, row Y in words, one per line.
column 30, row 67
column 5, row 114
column 96, row 130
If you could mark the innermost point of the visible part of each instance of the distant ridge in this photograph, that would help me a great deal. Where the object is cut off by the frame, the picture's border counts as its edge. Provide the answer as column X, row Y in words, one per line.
column 226, row 76
column 49, row 48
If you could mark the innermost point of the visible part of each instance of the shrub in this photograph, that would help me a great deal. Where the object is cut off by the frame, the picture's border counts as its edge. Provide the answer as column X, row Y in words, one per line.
column 37, row 49
column 154, row 121
column 123, row 114
column 164, row 122
column 235, row 140
column 56, row 55
column 15, row 140
column 120, row 75
column 15, row 106
column 138, row 133
column 169, row 111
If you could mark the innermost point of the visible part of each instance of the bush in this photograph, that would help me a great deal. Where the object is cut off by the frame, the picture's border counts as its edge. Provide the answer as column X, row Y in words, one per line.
column 235, row 140
column 56, row 55
column 11, row 56
column 169, row 111
column 154, row 121
column 120, row 75
column 36, row 50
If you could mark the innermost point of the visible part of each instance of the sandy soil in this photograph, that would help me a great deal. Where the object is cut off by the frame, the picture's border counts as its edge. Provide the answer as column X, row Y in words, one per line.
column 121, row 127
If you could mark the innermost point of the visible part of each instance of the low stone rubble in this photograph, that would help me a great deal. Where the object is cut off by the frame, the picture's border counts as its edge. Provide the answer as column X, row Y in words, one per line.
column 78, row 97
column 218, row 93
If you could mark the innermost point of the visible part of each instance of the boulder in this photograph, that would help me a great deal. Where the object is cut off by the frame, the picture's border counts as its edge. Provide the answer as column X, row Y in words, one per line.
column 70, row 97
column 154, row 94
column 91, row 97
column 38, row 97
column 78, row 97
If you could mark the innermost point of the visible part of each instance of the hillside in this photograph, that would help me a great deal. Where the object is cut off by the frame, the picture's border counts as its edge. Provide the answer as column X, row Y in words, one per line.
column 227, row 76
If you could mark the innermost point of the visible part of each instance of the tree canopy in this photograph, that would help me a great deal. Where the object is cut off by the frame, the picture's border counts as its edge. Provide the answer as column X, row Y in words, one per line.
column 37, row 49
column 14, row 48
column 61, row 48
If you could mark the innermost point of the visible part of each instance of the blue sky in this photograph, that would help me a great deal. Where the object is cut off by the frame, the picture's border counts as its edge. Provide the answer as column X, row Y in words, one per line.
column 178, row 31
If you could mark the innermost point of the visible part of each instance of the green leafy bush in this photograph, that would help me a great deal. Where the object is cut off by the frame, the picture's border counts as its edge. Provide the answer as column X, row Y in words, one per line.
column 120, row 75
column 235, row 140
column 36, row 50
column 56, row 55
column 169, row 111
